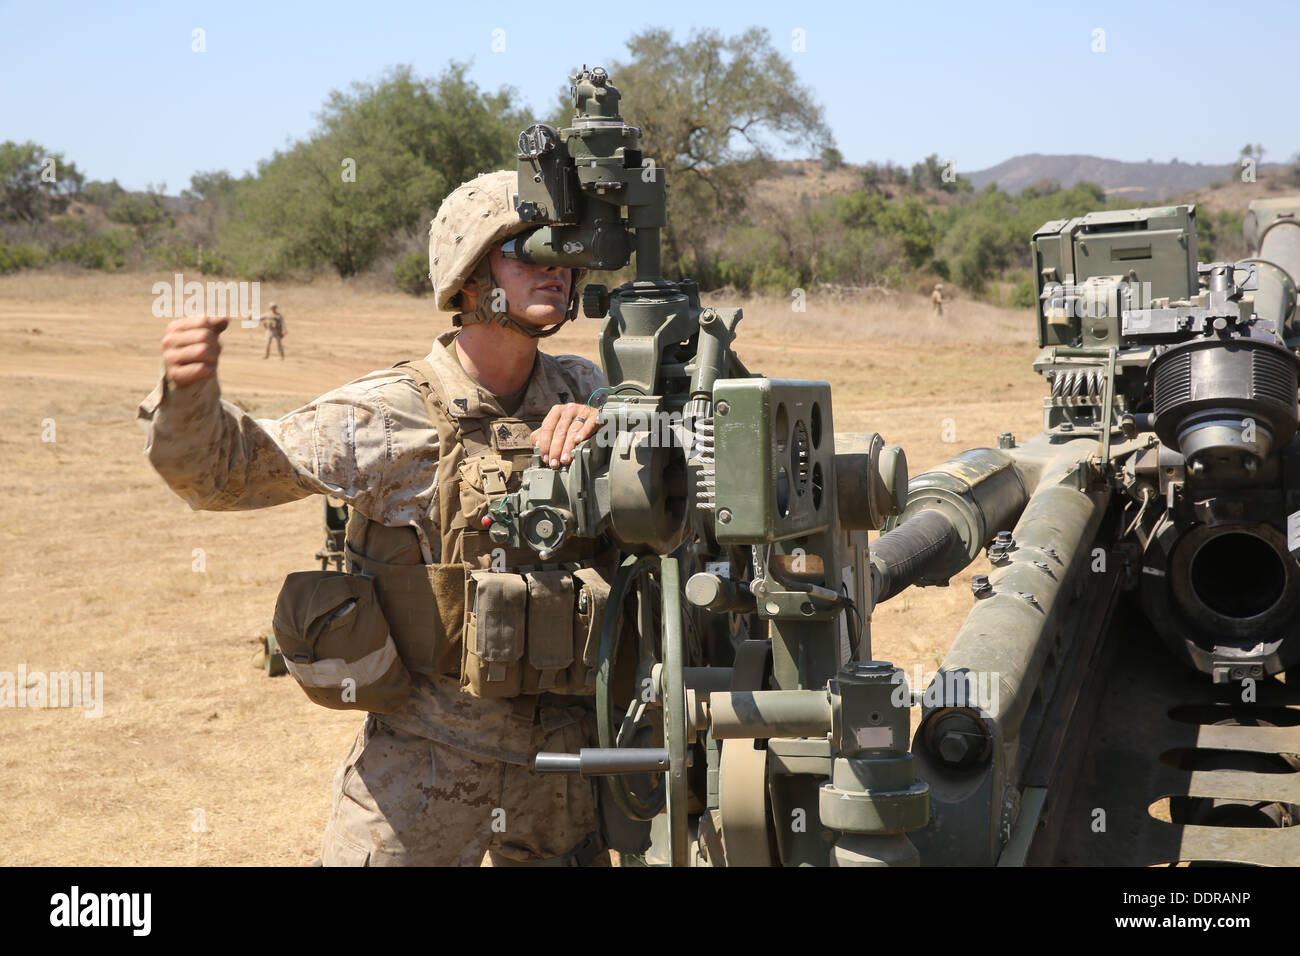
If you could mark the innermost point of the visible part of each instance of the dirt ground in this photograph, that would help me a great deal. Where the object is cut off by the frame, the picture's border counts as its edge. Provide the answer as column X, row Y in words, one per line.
column 198, row 757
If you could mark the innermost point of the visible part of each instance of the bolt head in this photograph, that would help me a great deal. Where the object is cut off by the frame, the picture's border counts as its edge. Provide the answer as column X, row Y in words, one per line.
column 954, row 747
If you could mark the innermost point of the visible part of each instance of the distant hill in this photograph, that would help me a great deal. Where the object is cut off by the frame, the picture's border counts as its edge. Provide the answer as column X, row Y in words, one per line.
column 1145, row 181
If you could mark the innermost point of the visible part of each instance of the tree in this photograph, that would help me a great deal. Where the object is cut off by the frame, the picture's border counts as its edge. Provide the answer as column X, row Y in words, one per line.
column 710, row 110
column 143, row 211
column 382, row 159
column 102, row 193
column 1251, row 156
column 1044, row 187
column 446, row 123
column 211, row 186
column 34, row 183
column 928, row 173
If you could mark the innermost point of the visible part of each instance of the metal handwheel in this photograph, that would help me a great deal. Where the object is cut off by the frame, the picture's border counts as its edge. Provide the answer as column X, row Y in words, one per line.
column 642, row 796
column 659, row 685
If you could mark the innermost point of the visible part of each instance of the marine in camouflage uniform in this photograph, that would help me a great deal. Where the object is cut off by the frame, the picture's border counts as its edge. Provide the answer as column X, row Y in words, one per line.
column 936, row 299
column 275, row 330
column 447, row 777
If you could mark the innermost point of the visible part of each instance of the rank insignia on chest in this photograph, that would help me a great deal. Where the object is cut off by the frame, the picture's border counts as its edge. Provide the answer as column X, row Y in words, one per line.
column 512, row 435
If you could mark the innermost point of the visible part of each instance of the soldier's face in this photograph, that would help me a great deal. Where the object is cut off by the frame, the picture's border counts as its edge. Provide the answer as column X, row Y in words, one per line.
column 534, row 294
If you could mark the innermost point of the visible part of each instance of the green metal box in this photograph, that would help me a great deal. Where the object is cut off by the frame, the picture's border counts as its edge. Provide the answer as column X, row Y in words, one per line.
column 775, row 459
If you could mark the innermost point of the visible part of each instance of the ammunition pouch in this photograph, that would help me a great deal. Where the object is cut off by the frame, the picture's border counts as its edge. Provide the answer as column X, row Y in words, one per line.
column 532, row 632
column 336, row 642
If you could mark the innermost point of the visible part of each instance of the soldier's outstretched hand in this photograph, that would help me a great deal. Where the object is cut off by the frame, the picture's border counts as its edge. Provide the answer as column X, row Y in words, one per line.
column 190, row 348
column 564, row 427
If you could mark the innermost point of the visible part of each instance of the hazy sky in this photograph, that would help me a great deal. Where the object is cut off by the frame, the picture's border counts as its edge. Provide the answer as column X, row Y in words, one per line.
column 122, row 94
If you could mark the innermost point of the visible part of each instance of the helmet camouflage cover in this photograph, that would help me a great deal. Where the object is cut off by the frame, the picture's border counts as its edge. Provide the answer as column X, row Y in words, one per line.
column 475, row 217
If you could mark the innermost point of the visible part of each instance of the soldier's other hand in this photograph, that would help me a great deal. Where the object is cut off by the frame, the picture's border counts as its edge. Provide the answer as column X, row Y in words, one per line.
column 564, row 427
column 190, row 348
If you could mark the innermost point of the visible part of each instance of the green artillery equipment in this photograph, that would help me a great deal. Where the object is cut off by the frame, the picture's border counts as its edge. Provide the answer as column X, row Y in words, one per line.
column 1167, row 471
column 741, row 480
column 735, row 657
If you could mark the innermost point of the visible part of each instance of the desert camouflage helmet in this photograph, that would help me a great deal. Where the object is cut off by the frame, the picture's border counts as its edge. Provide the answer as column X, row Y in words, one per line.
column 471, row 220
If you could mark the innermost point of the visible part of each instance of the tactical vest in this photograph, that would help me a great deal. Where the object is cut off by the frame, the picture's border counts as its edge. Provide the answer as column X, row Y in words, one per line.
column 499, row 618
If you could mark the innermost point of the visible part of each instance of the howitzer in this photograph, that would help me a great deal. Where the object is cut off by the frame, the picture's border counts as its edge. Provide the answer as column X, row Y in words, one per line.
column 737, row 623
column 1167, row 469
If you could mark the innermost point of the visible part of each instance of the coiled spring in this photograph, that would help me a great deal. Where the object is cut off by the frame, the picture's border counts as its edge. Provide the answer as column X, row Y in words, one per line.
column 706, row 481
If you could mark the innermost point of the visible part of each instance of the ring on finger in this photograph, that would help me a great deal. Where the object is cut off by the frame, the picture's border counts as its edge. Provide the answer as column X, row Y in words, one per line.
column 578, row 418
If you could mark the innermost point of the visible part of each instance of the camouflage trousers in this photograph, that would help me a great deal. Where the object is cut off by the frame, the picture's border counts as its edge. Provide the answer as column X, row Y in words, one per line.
column 404, row 800
column 279, row 343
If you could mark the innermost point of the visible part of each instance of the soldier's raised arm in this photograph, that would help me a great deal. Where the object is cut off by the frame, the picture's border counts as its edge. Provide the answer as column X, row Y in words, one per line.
column 218, row 458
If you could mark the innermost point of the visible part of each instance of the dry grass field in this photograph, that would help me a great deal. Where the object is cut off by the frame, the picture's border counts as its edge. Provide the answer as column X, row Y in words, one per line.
column 198, row 757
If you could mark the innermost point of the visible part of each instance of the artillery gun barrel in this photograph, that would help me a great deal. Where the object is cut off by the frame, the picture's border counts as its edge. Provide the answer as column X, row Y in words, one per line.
column 951, row 513
column 901, row 556
column 1280, row 245
column 1010, row 631
column 983, row 709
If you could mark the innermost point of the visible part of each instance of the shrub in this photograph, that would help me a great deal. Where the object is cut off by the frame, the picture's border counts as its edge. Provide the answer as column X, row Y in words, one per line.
column 15, row 257
column 104, row 250
column 178, row 254
column 412, row 274
column 1024, row 294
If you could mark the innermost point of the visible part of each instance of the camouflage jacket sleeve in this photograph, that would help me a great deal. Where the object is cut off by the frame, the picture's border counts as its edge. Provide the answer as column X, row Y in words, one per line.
column 369, row 442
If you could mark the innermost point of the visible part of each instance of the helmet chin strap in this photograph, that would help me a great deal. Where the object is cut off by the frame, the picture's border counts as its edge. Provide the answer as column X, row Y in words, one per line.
column 483, row 311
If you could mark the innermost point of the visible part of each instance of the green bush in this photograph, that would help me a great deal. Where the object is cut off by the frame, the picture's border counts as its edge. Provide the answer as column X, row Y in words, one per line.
column 15, row 257
column 1024, row 294
column 412, row 274
column 775, row 279
column 104, row 250
column 178, row 254
column 752, row 259
column 143, row 210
